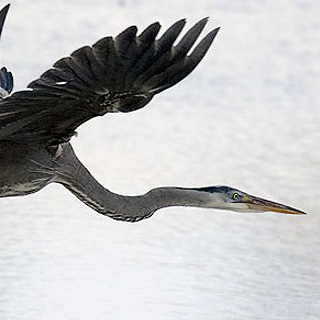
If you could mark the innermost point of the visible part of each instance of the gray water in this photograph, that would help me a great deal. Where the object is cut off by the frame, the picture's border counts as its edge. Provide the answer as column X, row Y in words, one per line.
column 247, row 117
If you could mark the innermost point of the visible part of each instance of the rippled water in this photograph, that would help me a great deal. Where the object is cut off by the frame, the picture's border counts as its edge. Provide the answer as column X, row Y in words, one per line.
column 247, row 117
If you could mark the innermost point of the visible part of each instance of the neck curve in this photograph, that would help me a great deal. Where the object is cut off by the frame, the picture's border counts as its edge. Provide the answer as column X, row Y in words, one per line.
column 74, row 176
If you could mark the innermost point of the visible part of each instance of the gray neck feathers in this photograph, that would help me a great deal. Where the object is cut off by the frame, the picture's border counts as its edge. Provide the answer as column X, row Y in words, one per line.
column 74, row 176
column 131, row 208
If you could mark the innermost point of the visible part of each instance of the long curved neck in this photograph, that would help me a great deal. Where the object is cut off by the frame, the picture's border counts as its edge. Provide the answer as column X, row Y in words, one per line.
column 74, row 176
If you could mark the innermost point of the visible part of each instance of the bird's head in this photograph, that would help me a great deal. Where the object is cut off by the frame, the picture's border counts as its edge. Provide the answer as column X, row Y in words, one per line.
column 227, row 198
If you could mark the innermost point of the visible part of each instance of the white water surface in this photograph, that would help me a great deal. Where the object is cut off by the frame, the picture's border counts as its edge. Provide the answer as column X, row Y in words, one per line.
column 248, row 116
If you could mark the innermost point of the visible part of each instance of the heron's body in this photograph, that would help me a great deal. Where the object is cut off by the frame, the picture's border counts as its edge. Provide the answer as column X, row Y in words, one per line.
column 38, row 167
column 119, row 74
column 22, row 162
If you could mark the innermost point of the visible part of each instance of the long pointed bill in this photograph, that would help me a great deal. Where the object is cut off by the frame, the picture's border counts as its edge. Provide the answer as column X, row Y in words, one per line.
column 262, row 205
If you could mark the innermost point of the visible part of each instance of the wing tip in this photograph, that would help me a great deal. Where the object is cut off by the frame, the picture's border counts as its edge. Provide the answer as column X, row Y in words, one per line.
column 3, row 14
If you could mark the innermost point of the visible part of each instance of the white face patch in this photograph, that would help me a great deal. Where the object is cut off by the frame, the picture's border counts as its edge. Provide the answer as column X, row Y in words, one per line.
column 218, row 201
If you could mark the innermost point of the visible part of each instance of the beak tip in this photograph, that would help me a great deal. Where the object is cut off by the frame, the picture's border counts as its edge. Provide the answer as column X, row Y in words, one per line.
column 266, row 205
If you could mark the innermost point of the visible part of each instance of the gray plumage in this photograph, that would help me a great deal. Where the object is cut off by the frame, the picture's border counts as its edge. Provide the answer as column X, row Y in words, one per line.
column 120, row 74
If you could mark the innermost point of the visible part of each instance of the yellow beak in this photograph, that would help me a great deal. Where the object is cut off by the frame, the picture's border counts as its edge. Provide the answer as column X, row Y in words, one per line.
column 262, row 205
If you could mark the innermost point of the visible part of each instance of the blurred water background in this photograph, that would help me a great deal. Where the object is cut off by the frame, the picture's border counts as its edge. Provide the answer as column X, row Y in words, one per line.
column 247, row 117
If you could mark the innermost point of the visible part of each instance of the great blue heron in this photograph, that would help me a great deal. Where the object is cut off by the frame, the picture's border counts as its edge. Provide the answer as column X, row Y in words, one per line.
column 120, row 74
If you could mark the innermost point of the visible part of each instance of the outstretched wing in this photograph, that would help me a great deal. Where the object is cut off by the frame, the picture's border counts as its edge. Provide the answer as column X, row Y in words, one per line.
column 119, row 74
column 6, row 79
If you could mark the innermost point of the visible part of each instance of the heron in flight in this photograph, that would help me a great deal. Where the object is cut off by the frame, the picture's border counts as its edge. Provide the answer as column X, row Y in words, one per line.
column 120, row 74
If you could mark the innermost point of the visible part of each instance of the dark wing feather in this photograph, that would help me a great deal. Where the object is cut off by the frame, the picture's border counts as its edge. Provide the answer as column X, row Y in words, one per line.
column 3, row 14
column 119, row 74
column 6, row 79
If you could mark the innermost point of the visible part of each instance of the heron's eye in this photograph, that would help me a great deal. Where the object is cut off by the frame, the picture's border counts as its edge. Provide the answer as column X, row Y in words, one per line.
column 236, row 196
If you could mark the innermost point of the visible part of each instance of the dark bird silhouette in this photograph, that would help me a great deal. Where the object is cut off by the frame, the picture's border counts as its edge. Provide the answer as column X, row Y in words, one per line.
column 120, row 74
column 6, row 79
